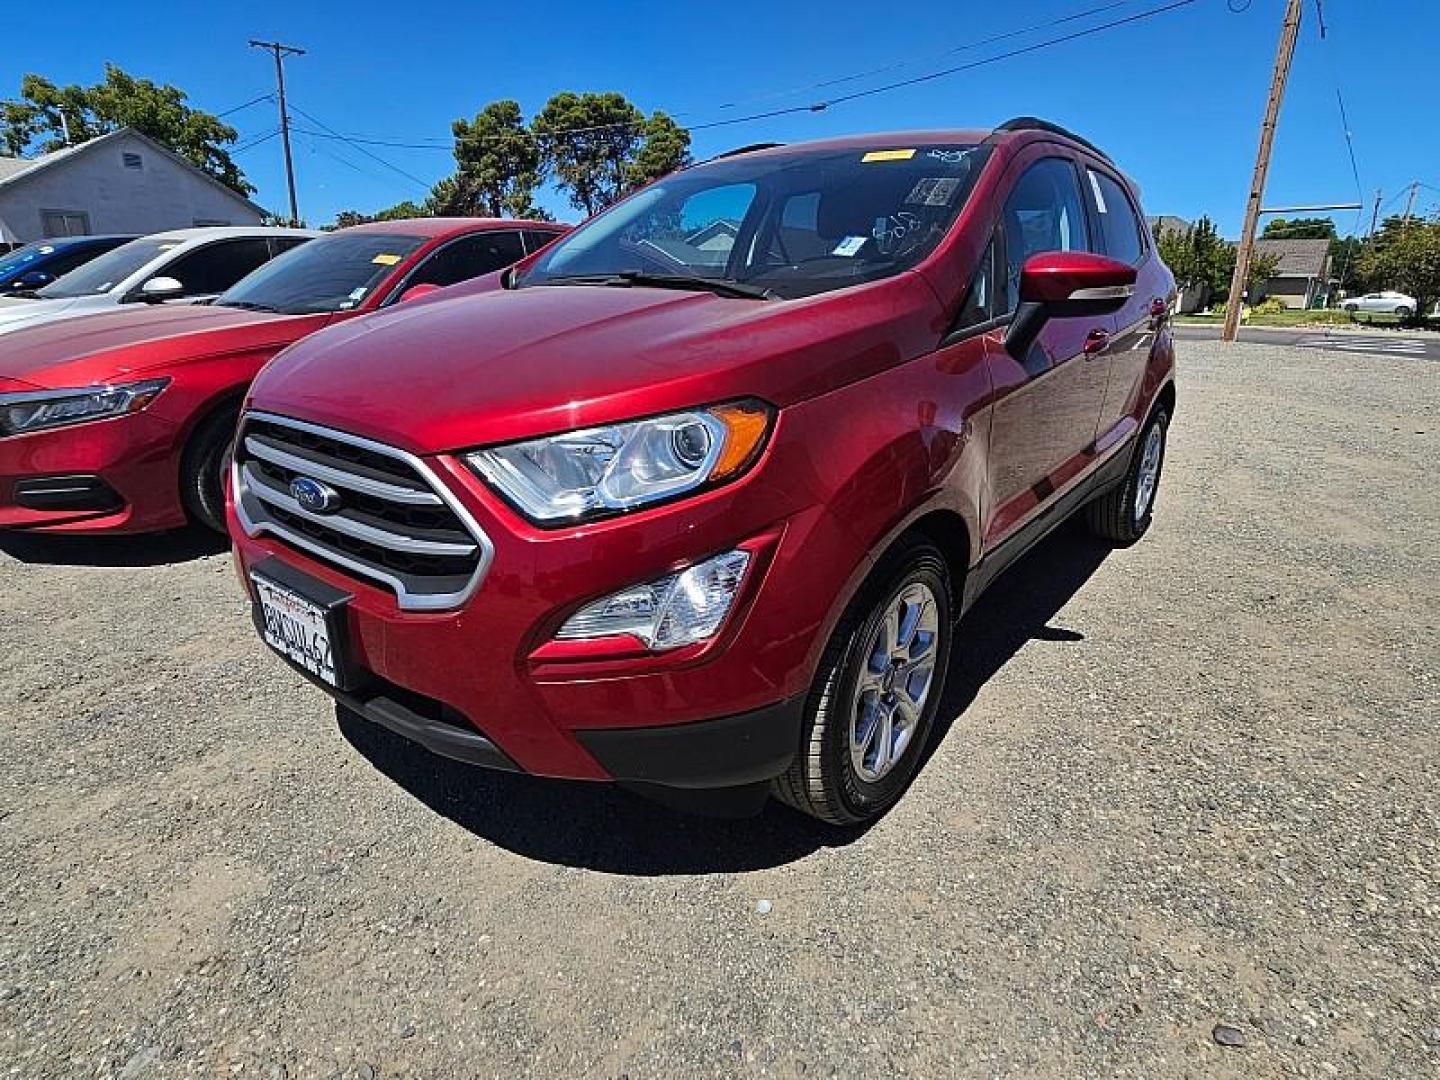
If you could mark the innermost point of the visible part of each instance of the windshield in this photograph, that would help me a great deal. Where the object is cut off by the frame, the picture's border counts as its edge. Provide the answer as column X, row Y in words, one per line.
column 104, row 273
column 792, row 224
column 22, row 257
column 334, row 273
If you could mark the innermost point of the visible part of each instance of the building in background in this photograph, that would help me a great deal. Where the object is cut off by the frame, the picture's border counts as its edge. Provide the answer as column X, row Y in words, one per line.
column 1301, row 279
column 123, row 182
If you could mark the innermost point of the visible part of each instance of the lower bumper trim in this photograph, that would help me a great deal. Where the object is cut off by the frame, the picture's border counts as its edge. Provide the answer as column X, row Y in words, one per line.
column 436, row 735
column 748, row 748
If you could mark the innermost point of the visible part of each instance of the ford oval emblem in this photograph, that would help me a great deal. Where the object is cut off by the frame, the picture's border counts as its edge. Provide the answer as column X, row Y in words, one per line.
column 314, row 496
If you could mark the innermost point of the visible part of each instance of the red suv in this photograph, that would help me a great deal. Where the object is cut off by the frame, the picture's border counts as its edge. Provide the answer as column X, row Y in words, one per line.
column 120, row 422
column 694, row 500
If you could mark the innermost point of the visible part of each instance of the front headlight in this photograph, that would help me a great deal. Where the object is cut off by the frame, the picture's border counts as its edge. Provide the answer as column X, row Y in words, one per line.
column 600, row 471
column 35, row 410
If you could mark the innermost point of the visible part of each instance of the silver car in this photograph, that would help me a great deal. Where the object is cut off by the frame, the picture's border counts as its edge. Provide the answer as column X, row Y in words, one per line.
column 1383, row 303
column 181, row 266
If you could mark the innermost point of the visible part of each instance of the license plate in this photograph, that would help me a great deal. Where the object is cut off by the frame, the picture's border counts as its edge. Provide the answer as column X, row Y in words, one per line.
column 298, row 629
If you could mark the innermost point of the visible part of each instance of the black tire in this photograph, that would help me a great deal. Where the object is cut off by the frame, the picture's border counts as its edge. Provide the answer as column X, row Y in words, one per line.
column 1115, row 516
column 823, row 781
column 1403, row 311
column 203, row 466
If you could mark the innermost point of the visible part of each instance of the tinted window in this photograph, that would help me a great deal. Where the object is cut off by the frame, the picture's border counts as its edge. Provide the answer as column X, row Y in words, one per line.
column 979, row 305
column 795, row 223
column 334, row 273
column 103, row 274
column 535, row 239
column 215, row 267
column 1043, row 213
column 469, row 257
column 1119, row 225
column 281, row 244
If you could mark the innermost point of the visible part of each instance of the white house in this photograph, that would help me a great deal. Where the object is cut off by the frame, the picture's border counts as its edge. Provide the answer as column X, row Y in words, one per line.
column 123, row 182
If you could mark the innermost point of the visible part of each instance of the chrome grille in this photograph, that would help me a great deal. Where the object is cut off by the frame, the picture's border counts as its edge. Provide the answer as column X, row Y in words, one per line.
column 396, row 523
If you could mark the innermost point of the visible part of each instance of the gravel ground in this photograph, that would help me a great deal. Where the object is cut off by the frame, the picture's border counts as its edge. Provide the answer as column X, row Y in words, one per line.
column 1191, row 784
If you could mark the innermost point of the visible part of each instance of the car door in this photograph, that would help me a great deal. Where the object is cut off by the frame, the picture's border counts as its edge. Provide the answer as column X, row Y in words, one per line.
column 210, row 270
column 1048, row 401
column 1119, row 229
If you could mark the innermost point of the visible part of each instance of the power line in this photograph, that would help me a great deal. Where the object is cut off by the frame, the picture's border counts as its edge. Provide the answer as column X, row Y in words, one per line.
column 280, row 52
column 368, row 153
column 246, row 105
column 252, row 143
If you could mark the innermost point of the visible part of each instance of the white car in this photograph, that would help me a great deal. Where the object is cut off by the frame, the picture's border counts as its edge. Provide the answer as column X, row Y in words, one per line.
column 182, row 266
column 1384, row 303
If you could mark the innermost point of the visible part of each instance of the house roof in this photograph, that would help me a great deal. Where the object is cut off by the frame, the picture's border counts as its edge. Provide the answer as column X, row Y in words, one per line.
column 15, row 170
column 1298, row 258
column 1165, row 223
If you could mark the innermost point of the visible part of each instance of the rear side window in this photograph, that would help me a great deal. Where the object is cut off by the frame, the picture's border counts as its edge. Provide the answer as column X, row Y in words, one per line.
column 1043, row 213
column 1119, row 224
column 214, row 268
column 535, row 239
column 469, row 257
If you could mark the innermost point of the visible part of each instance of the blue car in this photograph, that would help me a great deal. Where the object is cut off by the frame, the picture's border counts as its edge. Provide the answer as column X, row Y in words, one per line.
column 37, row 265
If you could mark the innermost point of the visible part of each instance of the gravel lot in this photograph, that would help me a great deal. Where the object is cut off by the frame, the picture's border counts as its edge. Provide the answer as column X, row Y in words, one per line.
column 1191, row 784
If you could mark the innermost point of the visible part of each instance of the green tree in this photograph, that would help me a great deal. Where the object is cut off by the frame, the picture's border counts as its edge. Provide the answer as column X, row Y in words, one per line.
column 1406, row 257
column 1198, row 257
column 598, row 147
column 38, row 118
column 1307, row 228
column 498, row 164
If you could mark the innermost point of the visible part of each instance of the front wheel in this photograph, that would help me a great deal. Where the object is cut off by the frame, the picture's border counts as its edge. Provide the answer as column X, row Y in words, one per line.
column 203, row 469
column 876, row 693
column 1403, row 312
column 1123, row 513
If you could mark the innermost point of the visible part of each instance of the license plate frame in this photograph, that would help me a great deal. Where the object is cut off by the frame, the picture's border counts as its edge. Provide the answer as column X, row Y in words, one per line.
column 305, row 610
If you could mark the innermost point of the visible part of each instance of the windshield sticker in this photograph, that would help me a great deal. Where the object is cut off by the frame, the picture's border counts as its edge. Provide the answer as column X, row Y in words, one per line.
column 889, row 155
column 850, row 246
column 167, row 247
column 933, row 191
column 384, row 259
column 358, row 294
column 949, row 157
column 1095, row 187
column 48, row 249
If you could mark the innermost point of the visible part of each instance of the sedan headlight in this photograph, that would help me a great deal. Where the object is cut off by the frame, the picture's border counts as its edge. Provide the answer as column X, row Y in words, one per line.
column 600, row 471
column 35, row 410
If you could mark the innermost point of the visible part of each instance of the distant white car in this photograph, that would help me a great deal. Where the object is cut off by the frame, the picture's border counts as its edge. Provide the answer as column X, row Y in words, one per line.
column 183, row 266
column 1385, row 303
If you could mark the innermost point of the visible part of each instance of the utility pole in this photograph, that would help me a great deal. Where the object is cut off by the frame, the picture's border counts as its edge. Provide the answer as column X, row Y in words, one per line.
column 280, row 52
column 1288, row 32
column 1410, row 202
column 1375, row 214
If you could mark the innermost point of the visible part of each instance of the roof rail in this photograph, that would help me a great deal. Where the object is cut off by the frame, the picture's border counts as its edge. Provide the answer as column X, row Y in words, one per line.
column 1034, row 123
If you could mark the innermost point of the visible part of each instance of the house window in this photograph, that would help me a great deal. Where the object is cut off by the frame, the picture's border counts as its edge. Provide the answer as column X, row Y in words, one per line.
column 65, row 222
column 132, row 161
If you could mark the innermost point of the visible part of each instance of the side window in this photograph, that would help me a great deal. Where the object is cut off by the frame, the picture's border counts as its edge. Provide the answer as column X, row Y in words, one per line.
column 215, row 267
column 281, row 244
column 979, row 305
column 1043, row 213
column 535, row 239
column 469, row 257
column 1119, row 226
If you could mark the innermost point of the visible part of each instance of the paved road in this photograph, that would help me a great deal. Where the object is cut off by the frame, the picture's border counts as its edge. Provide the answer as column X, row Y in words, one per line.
column 1386, row 343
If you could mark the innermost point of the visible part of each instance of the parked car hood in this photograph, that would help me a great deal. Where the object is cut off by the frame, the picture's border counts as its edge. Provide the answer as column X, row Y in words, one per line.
column 449, row 374
column 115, row 344
column 17, row 311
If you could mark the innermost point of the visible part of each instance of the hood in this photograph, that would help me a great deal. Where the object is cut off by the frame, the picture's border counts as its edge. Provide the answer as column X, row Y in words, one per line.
column 506, row 365
column 115, row 344
column 16, row 312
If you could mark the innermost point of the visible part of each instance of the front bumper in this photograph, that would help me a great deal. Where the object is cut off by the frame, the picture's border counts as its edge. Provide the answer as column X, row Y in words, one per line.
column 485, row 682
column 119, row 475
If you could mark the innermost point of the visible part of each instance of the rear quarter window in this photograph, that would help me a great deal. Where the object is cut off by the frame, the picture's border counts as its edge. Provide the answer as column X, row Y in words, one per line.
column 1119, row 224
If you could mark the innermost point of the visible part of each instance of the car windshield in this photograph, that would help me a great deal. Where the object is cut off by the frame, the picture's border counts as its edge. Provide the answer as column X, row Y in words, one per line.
column 22, row 257
column 102, row 274
column 334, row 273
column 787, row 225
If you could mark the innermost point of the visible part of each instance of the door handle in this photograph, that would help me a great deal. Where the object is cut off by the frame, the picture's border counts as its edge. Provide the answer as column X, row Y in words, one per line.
column 1095, row 342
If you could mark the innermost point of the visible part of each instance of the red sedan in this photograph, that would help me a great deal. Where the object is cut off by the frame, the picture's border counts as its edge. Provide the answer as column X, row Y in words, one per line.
column 120, row 422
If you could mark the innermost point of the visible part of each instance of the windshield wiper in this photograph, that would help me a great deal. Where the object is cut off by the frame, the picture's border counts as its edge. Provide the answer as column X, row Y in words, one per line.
column 248, row 305
column 647, row 280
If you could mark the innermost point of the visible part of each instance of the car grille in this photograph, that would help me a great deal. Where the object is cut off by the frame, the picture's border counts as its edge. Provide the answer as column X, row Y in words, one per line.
column 394, row 523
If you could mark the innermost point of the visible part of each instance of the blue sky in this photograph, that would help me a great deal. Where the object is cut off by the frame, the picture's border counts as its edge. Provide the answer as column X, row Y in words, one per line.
column 1175, row 99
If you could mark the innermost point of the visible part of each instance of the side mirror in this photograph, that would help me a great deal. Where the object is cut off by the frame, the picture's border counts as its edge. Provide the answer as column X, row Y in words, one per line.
column 1066, row 284
column 161, row 288
column 415, row 292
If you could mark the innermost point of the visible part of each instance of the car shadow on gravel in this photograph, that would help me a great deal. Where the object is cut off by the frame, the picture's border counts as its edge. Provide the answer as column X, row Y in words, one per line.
column 155, row 549
column 603, row 827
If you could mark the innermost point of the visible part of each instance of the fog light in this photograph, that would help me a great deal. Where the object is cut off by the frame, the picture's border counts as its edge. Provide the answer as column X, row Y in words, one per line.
column 678, row 609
